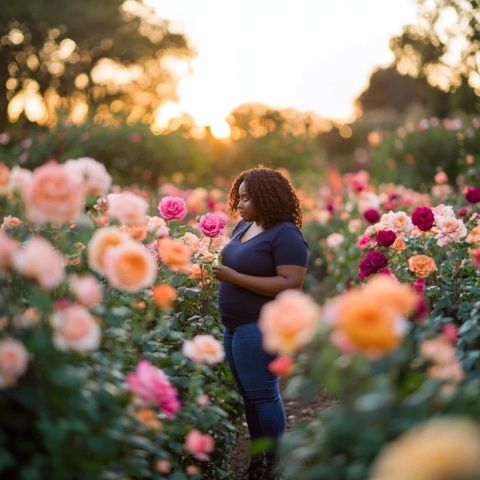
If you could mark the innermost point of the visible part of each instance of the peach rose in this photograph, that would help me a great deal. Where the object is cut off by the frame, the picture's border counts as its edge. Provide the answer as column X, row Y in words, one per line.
column 192, row 242
column 474, row 236
column 199, row 445
column 448, row 230
column 204, row 349
column 53, row 195
column 130, row 267
column 127, row 208
column 288, row 322
column 39, row 261
column 174, row 254
column 399, row 222
column 10, row 222
column 86, row 289
column 13, row 361
column 164, row 295
column 101, row 242
column 157, row 226
column 75, row 329
column 136, row 232
column 399, row 244
column 93, row 175
column 421, row 265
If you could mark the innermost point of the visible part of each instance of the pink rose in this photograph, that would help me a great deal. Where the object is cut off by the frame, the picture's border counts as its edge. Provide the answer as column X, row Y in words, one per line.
column 153, row 386
column 172, row 208
column 199, row 445
column 211, row 224
column 204, row 349
column 13, row 361
column 87, row 289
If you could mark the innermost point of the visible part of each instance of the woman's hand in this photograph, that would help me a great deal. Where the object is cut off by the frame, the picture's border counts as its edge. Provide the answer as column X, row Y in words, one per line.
column 223, row 273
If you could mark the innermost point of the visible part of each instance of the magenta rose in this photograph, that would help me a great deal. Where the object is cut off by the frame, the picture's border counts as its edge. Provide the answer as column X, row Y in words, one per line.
column 419, row 285
column 211, row 224
column 153, row 387
column 385, row 238
column 172, row 208
column 371, row 215
column 473, row 195
column 423, row 218
column 372, row 262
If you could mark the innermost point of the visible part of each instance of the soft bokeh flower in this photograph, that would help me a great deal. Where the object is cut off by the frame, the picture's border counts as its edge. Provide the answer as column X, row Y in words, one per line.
column 334, row 240
column 204, row 349
column 448, row 230
column 86, row 289
column 288, row 322
column 172, row 208
column 199, row 445
column 153, row 387
column 164, row 295
column 157, row 226
column 101, row 242
column 371, row 263
column 174, row 254
column 74, row 328
column 192, row 241
column 135, row 232
column 282, row 366
column 421, row 265
column 40, row 261
column 211, row 224
column 371, row 215
column 439, row 449
column 19, row 179
column 27, row 319
column 128, row 208
column 441, row 177
column 53, row 195
column 13, row 361
column 149, row 418
column 472, row 194
column 94, row 176
column 130, row 267
column 473, row 237
column 364, row 241
column 163, row 467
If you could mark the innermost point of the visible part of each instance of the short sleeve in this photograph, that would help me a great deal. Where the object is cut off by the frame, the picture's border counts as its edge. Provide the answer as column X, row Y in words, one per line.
column 289, row 246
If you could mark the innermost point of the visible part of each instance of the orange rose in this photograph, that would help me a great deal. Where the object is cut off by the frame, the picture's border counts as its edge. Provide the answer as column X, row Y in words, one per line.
column 130, row 267
column 422, row 265
column 367, row 327
column 102, row 241
column 164, row 295
column 147, row 417
column 174, row 254
column 137, row 232
column 399, row 244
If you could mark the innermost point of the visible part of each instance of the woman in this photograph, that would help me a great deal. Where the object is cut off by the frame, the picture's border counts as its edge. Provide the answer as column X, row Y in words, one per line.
column 266, row 255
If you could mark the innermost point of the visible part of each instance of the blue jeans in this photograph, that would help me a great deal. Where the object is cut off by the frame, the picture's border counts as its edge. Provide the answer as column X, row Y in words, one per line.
column 258, row 387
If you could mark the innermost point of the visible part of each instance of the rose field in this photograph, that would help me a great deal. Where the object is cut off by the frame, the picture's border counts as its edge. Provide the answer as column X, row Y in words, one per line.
column 111, row 356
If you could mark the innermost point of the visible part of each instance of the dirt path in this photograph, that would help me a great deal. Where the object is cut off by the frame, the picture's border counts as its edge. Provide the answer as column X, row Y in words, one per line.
column 297, row 414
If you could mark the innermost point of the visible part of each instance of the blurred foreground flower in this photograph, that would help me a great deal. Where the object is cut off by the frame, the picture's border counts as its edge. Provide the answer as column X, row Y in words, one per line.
column 440, row 449
column 153, row 387
column 289, row 322
column 199, row 445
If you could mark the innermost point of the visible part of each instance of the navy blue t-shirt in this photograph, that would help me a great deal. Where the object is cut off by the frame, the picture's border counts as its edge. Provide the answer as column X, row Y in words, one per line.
column 282, row 244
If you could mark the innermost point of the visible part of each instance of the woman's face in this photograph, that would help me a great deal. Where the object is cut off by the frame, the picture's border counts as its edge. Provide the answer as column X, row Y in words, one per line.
column 245, row 206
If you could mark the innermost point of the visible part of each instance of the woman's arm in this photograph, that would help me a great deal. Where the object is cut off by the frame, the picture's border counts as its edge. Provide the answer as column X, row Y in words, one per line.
column 288, row 277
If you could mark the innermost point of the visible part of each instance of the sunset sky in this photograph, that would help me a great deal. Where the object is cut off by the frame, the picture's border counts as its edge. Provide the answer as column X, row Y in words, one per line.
column 312, row 55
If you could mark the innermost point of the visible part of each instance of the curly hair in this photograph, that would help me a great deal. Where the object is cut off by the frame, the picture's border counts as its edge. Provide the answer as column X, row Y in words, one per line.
column 272, row 194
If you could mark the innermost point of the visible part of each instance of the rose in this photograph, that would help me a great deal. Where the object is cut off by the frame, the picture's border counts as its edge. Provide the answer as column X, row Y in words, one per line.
column 371, row 215
column 211, row 224
column 423, row 218
column 204, row 349
column 172, row 208
column 199, row 445
column 385, row 238
column 421, row 265
column 473, row 195
column 152, row 386
column 372, row 262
